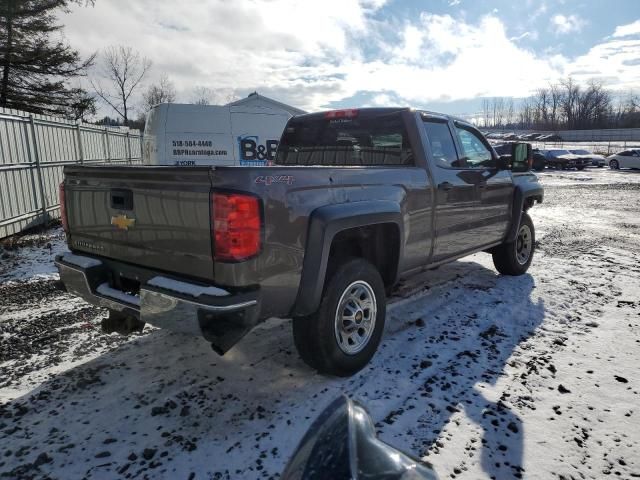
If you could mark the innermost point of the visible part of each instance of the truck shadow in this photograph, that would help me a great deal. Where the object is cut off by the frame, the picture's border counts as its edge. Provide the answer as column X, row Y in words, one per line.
column 241, row 415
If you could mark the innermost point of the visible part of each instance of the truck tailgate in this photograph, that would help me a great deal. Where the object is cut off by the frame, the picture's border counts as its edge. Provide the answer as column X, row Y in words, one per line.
column 157, row 217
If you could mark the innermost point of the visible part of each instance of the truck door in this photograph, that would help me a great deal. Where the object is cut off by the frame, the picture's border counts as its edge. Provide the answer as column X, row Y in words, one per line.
column 493, row 187
column 457, row 199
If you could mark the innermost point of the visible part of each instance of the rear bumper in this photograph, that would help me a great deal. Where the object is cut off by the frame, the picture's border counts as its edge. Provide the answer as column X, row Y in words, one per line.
column 220, row 316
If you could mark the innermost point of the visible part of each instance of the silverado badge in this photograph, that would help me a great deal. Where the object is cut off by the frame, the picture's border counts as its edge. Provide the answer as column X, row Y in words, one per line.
column 122, row 222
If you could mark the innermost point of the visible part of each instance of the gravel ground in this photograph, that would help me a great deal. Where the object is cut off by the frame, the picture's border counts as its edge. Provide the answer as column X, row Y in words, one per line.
column 483, row 376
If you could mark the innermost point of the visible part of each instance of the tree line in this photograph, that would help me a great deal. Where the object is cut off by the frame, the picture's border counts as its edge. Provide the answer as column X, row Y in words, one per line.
column 565, row 105
column 41, row 73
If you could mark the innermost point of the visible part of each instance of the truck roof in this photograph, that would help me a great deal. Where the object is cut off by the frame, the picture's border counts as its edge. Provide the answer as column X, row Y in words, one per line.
column 383, row 110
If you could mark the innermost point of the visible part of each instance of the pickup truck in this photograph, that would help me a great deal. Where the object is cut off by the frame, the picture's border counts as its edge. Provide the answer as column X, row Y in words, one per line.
column 355, row 201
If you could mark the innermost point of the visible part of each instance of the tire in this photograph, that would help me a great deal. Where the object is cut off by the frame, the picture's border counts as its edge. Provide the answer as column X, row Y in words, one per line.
column 614, row 165
column 580, row 168
column 514, row 258
column 321, row 338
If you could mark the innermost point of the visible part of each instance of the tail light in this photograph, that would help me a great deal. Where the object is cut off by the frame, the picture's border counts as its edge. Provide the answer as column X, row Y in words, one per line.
column 236, row 226
column 63, row 208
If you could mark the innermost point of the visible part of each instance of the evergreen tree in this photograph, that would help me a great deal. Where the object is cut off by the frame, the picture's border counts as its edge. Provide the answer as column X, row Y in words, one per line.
column 34, row 65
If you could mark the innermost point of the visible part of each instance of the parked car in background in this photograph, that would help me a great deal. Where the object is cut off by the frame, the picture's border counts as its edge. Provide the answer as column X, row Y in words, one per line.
column 532, row 136
column 495, row 136
column 539, row 160
column 550, row 137
column 624, row 159
column 564, row 159
column 596, row 160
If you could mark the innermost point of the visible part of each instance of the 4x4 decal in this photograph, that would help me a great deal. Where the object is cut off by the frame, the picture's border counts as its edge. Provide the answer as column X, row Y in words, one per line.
column 270, row 179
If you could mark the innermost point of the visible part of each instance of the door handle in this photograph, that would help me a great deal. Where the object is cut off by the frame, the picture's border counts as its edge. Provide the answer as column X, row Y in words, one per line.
column 445, row 186
column 121, row 199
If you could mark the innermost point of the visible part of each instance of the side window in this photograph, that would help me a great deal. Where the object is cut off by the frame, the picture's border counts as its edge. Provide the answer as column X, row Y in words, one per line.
column 475, row 153
column 441, row 142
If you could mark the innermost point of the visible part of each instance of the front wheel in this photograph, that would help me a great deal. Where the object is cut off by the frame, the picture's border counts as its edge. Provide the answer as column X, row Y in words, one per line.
column 343, row 334
column 614, row 165
column 514, row 258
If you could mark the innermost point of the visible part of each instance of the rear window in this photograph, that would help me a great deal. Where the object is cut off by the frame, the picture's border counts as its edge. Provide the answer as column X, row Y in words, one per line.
column 366, row 139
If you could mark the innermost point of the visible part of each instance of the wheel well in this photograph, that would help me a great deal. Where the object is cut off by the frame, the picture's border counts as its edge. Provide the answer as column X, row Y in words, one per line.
column 379, row 244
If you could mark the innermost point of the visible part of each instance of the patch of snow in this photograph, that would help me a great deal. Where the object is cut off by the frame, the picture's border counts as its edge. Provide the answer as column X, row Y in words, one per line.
column 33, row 262
column 186, row 288
column 81, row 261
column 107, row 291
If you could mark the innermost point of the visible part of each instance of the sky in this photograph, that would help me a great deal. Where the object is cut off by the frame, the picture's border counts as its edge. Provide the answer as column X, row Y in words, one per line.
column 443, row 55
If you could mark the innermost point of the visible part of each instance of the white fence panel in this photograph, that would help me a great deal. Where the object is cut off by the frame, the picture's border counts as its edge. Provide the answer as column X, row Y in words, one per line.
column 33, row 152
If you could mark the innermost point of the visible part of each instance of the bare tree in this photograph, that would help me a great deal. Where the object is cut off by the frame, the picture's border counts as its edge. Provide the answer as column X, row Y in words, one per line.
column 124, row 69
column 202, row 96
column 570, row 101
column 486, row 109
column 497, row 105
column 555, row 98
column 162, row 92
column 509, row 111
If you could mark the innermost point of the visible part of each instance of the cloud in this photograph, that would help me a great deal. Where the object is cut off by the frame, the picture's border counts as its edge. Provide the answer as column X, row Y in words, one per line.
column 318, row 55
column 627, row 30
column 562, row 24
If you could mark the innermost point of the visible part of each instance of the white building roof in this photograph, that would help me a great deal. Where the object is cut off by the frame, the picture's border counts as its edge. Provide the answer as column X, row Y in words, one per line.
column 257, row 100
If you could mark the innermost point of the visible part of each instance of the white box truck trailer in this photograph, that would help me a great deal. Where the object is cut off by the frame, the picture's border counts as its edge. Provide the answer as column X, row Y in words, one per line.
column 190, row 135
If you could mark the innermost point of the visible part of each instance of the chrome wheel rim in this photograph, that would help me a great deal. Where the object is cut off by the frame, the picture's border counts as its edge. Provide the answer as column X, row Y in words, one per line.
column 524, row 244
column 355, row 317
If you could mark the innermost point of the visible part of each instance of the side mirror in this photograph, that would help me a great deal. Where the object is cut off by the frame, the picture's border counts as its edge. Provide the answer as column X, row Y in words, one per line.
column 342, row 444
column 521, row 157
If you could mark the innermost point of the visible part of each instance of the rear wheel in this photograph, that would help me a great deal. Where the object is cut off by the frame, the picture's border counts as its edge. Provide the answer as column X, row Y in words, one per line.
column 614, row 165
column 580, row 168
column 343, row 334
column 514, row 258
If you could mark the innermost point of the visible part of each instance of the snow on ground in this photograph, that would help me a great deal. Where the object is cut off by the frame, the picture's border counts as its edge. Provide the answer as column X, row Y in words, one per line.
column 30, row 258
column 588, row 176
column 484, row 376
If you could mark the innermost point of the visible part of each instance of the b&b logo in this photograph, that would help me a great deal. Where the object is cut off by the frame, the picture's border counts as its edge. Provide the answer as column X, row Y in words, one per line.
column 252, row 153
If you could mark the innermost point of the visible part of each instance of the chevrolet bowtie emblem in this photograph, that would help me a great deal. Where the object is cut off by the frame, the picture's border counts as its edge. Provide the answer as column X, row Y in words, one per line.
column 122, row 222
